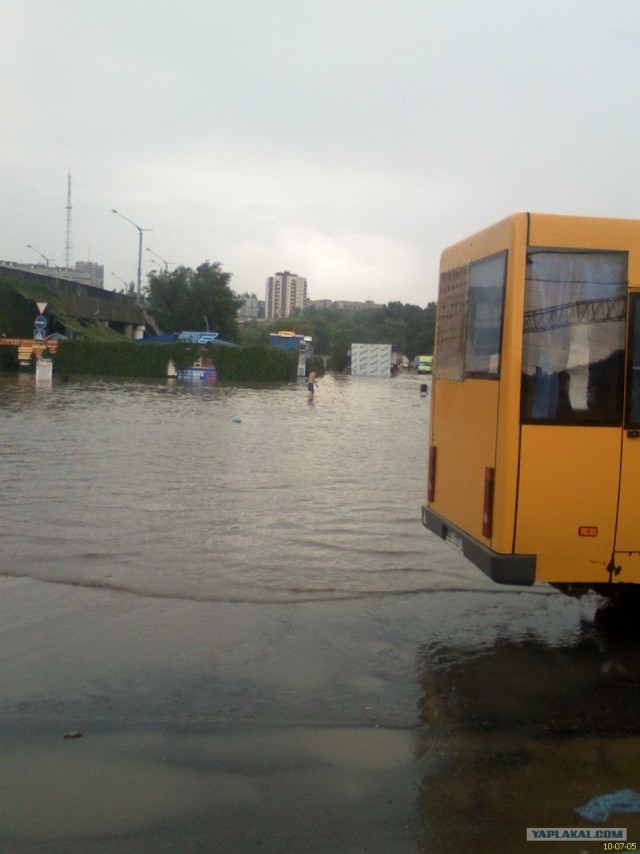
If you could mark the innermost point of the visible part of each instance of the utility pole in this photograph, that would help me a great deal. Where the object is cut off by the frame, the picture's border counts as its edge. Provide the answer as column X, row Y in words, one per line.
column 68, row 249
column 140, row 230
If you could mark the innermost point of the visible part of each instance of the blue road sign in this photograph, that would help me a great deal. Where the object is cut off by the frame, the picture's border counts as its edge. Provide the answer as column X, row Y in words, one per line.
column 40, row 322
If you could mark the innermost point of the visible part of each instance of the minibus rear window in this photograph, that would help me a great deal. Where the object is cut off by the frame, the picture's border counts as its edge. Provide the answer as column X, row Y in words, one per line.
column 573, row 337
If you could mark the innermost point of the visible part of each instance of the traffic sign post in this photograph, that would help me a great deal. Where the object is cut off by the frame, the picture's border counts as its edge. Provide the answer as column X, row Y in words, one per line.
column 40, row 324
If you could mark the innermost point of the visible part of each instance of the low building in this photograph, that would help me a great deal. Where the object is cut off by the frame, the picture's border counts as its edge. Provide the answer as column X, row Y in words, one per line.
column 343, row 305
column 84, row 272
column 301, row 344
column 252, row 308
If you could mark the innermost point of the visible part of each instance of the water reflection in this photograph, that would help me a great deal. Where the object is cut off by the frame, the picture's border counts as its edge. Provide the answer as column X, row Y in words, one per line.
column 520, row 732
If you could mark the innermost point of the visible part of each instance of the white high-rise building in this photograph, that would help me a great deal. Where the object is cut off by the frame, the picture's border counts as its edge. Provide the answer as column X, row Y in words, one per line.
column 285, row 292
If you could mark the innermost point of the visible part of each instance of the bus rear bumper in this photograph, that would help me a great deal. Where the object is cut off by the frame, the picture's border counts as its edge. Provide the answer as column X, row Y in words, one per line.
column 501, row 568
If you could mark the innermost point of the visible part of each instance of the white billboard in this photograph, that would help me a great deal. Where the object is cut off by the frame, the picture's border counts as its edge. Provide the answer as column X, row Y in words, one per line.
column 371, row 360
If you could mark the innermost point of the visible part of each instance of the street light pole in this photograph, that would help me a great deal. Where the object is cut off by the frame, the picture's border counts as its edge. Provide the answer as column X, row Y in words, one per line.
column 140, row 230
column 166, row 263
column 127, row 285
column 33, row 249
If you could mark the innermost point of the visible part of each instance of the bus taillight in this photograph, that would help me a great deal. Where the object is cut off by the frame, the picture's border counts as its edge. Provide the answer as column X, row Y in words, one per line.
column 431, row 484
column 487, row 510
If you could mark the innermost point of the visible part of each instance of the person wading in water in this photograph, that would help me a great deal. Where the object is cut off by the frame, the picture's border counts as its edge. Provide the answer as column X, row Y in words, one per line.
column 312, row 384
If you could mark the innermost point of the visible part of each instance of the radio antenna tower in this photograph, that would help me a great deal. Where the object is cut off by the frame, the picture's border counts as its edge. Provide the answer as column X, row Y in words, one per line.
column 68, row 249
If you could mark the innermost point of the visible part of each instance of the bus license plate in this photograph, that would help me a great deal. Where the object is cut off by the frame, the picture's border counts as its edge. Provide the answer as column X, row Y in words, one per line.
column 455, row 540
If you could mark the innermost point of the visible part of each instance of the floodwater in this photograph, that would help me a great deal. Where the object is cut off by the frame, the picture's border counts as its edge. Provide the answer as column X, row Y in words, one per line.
column 228, row 591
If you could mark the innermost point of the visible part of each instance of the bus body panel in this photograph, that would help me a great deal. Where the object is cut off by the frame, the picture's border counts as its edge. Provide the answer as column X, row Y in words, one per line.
column 483, row 414
column 568, row 485
column 626, row 560
column 490, row 240
column 508, row 438
column 626, row 568
column 463, row 453
column 628, row 534
column 585, row 233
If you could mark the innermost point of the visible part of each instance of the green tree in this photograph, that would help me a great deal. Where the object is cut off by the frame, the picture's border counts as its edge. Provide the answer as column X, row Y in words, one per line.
column 421, row 331
column 339, row 356
column 200, row 299
column 409, row 328
column 252, row 334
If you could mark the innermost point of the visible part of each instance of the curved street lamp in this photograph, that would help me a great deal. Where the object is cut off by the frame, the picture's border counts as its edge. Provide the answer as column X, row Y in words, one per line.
column 33, row 249
column 127, row 285
column 140, row 230
column 166, row 263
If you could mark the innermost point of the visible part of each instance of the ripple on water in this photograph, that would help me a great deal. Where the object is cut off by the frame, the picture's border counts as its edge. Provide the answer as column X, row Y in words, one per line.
column 156, row 490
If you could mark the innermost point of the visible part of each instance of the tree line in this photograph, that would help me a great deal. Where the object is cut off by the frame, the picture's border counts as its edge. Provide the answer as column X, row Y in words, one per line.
column 408, row 328
column 202, row 299
column 199, row 299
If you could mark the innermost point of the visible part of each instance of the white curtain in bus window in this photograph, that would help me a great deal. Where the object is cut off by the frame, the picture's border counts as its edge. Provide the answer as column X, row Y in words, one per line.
column 484, row 316
column 573, row 342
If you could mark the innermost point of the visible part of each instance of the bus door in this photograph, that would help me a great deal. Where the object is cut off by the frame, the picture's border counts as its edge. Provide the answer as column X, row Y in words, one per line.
column 625, row 566
column 570, row 496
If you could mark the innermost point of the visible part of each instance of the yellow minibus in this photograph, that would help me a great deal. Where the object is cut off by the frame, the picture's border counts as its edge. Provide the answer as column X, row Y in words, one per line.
column 534, row 437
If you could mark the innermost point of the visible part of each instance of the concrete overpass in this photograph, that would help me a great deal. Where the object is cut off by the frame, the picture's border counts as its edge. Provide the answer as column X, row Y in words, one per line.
column 73, row 305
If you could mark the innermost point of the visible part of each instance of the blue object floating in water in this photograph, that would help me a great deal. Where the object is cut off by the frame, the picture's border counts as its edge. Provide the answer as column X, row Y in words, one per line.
column 237, row 420
column 598, row 809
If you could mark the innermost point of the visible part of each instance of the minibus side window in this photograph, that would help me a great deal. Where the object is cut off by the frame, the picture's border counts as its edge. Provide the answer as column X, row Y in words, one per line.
column 484, row 316
column 470, row 313
column 453, row 298
column 573, row 340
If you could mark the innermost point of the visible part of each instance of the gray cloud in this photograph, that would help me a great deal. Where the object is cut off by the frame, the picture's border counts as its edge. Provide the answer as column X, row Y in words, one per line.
column 349, row 141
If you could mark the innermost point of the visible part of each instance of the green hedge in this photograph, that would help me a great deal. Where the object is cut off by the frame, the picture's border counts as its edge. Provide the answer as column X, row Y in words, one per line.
column 251, row 364
column 16, row 313
column 9, row 359
column 245, row 364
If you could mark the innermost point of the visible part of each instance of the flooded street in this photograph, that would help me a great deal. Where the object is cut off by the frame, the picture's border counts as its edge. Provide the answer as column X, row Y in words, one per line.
column 229, row 592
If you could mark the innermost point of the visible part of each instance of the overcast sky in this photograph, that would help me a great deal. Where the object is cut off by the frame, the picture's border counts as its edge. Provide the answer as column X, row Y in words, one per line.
column 348, row 141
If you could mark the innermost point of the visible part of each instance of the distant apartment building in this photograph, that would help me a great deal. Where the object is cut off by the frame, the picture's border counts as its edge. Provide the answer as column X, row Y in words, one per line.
column 251, row 309
column 85, row 272
column 285, row 292
column 89, row 273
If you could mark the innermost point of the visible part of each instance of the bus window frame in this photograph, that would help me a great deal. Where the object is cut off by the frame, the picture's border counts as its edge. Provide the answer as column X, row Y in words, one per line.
column 631, row 409
column 454, row 316
column 586, row 417
column 489, row 374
